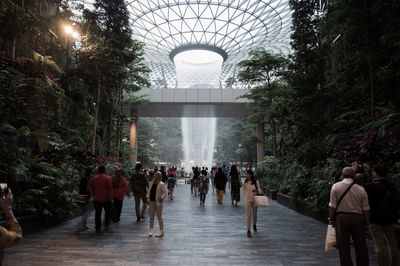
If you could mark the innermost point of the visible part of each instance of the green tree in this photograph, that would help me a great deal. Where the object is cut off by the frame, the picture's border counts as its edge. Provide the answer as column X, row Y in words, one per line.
column 106, row 52
column 262, row 71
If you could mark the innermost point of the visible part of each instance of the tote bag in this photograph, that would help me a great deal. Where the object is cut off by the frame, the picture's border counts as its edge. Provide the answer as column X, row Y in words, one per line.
column 261, row 201
column 330, row 242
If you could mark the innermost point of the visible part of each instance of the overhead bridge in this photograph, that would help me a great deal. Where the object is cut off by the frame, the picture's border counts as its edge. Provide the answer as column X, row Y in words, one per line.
column 190, row 103
column 199, row 102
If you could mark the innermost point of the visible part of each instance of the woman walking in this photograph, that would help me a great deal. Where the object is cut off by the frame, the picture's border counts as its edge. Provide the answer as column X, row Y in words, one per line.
column 156, row 195
column 120, row 189
column 204, row 186
column 251, row 188
column 171, row 183
column 196, row 181
column 220, row 184
column 84, row 201
column 235, row 184
column 213, row 172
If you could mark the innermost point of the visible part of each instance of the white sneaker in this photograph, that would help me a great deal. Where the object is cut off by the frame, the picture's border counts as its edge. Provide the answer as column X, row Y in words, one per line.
column 160, row 234
column 151, row 232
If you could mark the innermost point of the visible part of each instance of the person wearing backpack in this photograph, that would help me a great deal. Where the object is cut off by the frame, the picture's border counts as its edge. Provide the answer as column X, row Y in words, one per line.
column 171, row 185
column 204, row 186
column 383, row 200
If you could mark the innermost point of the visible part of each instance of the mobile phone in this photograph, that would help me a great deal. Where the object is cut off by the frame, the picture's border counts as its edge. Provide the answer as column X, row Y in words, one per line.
column 3, row 190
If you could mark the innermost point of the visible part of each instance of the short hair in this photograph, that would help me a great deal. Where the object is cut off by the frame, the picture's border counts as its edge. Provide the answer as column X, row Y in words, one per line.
column 138, row 166
column 348, row 172
column 380, row 170
column 102, row 169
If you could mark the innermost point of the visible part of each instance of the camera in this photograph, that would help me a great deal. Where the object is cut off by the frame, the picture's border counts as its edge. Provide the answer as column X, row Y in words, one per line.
column 3, row 190
column 360, row 169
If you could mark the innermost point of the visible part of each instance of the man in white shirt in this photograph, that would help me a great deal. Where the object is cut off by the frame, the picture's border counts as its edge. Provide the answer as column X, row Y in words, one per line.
column 352, row 218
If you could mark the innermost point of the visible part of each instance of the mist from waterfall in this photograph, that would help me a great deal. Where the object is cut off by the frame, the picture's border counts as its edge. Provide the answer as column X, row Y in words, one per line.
column 198, row 141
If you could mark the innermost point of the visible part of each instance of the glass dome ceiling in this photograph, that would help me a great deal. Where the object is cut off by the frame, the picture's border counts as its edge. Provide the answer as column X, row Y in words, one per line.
column 233, row 26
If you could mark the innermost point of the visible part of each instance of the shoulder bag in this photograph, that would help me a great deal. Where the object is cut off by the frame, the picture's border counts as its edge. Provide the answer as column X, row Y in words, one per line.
column 260, row 200
column 340, row 200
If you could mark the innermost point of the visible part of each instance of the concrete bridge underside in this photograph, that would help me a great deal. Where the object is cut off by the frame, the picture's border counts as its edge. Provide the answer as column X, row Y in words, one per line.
column 191, row 103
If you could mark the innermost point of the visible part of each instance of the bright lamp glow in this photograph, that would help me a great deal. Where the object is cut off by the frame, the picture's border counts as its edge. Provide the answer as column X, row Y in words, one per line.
column 75, row 35
column 68, row 29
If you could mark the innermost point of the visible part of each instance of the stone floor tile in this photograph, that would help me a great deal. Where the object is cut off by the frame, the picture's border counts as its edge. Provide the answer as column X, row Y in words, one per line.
column 194, row 235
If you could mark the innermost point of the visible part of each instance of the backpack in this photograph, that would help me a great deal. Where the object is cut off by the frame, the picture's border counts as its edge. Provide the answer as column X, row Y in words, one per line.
column 204, row 182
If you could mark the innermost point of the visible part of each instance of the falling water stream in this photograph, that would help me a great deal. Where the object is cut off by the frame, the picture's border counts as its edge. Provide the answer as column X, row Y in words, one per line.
column 198, row 69
column 198, row 141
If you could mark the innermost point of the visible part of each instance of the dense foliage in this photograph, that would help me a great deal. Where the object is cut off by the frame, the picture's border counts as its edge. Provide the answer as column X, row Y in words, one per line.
column 341, row 103
column 49, row 82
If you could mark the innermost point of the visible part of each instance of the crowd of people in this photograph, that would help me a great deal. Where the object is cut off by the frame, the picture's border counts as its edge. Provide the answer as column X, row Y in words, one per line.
column 149, row 187
column 354, row 210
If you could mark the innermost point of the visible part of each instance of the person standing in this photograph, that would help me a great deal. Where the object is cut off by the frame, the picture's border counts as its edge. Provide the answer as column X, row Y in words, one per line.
column 196, row 181
column 171, row 185
column 251, row 188
column 139, row 183
column 100, row 187
column 235, row 184
column 120, row 189
column 191, row 175
column 213, row 172
column 204, row 186
column 12, row 235
column 220, row 184
column 383, row 200
column 156, row 195
column 86, row 206
column 352, row 217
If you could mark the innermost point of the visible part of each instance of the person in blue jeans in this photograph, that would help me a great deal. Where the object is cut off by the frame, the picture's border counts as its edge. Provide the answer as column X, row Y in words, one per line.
column 171, row 186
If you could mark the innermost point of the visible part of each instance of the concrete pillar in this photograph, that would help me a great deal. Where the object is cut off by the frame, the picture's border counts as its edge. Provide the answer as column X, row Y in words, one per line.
column 133, row 140
column 260, row 144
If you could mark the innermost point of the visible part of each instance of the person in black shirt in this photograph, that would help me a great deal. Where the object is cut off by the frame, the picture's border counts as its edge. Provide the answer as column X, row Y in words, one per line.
column 87, row 205
column 382, row 197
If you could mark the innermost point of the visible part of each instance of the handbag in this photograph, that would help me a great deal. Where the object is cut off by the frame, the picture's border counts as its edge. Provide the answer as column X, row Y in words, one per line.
column 81, row 199
column 261, row 201
column 330, row 241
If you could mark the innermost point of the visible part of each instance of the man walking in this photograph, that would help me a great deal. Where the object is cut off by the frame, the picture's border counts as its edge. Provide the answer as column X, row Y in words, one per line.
column 139, row 185
column 100, row 187
column 352, row 218
column 382, row 196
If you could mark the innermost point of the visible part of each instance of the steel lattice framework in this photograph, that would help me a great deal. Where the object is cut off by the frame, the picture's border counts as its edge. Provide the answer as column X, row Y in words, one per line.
column 235, row 26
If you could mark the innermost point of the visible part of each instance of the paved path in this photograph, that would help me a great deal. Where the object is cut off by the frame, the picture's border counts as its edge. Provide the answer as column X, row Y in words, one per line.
column 194, row 235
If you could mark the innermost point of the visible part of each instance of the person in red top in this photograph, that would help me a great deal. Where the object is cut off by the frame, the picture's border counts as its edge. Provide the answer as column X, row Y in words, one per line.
column 171, row 172
column 120, row 189
column 100, row 187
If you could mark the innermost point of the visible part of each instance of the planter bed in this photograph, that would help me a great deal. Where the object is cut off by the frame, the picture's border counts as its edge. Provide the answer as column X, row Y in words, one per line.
column 33, row 223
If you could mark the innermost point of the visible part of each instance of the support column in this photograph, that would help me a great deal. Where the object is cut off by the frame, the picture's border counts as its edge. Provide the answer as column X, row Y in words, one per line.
column 133, row 140
column 260, row 144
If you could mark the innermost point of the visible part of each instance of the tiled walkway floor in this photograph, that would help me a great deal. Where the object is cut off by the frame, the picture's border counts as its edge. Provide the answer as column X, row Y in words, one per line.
column 194, row 235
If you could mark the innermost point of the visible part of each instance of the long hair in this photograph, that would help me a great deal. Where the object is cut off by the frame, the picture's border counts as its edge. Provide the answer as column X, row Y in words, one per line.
column 253, row 179
column 234, row 171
